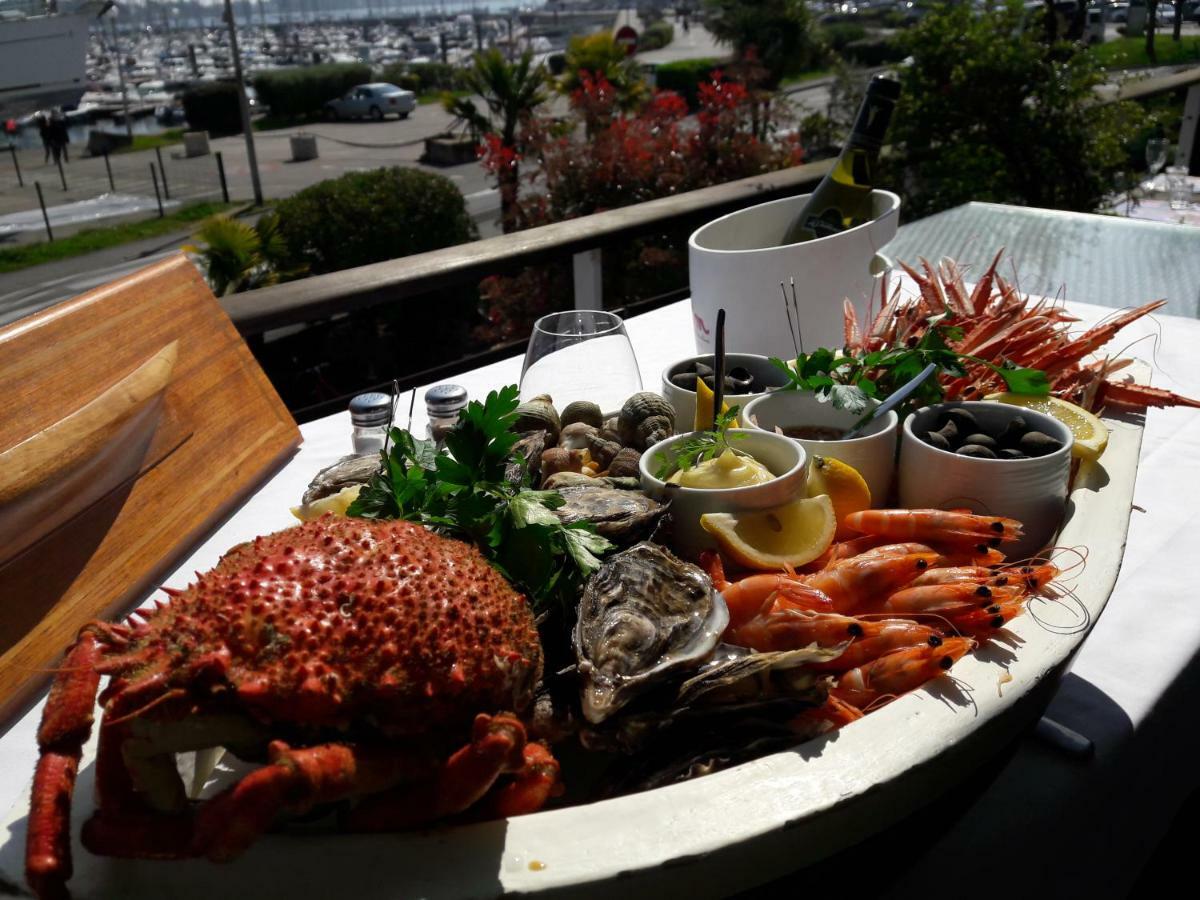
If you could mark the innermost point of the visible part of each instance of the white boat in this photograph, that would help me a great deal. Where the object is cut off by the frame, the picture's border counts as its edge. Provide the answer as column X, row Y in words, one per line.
column 42, row 55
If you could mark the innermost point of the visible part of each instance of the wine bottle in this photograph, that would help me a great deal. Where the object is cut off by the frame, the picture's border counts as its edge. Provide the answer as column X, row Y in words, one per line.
column 843, row 198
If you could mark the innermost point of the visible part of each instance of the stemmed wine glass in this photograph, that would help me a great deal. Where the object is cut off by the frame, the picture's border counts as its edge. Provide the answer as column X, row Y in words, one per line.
column 1156, row 157
column 581, row 354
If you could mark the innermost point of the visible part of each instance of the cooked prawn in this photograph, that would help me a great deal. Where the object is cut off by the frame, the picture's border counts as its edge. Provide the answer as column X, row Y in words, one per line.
column 953, row 527
column 899, row 672
column 747, row 597
column 852, row 583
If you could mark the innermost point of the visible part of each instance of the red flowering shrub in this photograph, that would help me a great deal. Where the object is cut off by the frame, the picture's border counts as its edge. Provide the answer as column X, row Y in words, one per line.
column 617, row 159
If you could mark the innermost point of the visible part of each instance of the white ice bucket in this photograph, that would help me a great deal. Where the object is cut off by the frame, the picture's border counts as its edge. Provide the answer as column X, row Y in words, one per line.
column 735, row 262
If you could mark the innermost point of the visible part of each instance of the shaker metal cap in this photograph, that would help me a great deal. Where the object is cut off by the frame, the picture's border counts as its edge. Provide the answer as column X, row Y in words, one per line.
column 442, row 399
column 371, row 409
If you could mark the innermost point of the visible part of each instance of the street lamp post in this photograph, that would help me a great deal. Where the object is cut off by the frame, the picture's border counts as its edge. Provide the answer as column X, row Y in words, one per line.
column 244, row 103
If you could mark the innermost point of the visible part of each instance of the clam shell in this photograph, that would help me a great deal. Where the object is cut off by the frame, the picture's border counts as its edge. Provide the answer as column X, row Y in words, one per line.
column 644, row 615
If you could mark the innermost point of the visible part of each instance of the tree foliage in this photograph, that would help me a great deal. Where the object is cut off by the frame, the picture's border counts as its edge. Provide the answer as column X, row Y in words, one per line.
column 1007, row 120
column 599, row 56
column 778, row 34
column 237, row 256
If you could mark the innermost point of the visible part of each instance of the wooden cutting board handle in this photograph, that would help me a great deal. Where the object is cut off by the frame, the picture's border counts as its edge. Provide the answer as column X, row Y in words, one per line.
column 52, row 476
column 132, row 420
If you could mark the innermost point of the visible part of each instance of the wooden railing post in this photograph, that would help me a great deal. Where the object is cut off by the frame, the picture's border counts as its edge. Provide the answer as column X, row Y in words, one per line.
column 589, row 279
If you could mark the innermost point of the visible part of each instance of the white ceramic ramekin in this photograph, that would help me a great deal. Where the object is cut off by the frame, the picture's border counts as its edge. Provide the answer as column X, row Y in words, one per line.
column 784, row 457
column 683, row 400
column 1032, row 491
column 873, row 453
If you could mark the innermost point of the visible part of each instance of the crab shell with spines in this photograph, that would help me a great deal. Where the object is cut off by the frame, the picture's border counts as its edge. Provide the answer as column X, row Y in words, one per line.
column 362, row 661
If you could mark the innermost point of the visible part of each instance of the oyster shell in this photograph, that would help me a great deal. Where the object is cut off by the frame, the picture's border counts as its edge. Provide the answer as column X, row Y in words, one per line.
column 346, row 472
column 644, row 615
column 622, row 516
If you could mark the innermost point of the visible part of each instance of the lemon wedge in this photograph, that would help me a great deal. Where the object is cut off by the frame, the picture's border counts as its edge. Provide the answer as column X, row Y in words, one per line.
column 845, row 487
column 704, row 407
column 335, row 503
column 789, row 535
column 1091, row 435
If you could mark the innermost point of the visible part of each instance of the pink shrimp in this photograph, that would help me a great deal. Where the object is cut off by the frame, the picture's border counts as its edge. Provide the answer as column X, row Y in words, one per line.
column 979, row 623
column 954, row 575
column 952, row 527
column 781, row 626
column 945, row 598
column 900, row 672
column 750, row 595
column 829, row 716
column 856, row 582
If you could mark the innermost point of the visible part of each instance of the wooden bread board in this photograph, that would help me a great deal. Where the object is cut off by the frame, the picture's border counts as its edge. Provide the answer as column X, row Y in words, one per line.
column 132, row 420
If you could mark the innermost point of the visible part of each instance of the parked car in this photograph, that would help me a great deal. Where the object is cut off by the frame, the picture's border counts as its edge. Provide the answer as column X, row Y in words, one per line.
column 372, row 100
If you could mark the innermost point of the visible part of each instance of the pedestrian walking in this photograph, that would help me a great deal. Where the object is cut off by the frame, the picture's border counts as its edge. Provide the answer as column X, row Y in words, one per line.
column 59, row 138
column 43, row 127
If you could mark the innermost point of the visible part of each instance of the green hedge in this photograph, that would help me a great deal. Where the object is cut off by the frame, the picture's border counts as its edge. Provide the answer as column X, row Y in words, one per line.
column 874, row 51
column 656, row 36
column 367, row 217
column 839, row 34
column 213, row 107
column 303, row 91
column 424, row 78
column 685, row 77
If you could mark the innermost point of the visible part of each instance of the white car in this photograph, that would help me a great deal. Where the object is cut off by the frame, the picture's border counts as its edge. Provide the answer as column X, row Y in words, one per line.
column 374, row 101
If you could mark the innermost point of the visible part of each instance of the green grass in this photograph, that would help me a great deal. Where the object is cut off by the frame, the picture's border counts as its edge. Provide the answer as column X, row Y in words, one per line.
column 150, row 141
column 92, row 239
column 1129, row 52
column 805, row 76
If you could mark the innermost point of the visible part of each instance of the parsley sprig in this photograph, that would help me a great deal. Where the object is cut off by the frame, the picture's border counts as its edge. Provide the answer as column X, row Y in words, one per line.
column 464, row 493
column 848, row 381
column 703, row 446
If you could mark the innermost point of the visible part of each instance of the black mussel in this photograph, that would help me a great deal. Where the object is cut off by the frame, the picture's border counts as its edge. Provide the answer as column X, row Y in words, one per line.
column 937, row 439
column 949, row 432
column 703, row 370
column 1035, row 443
column 685, row 380
column 975, row 450
column 981, row 440
column 1011, row 453
column 1013, row 432
column 740, row 379
column 963, row 420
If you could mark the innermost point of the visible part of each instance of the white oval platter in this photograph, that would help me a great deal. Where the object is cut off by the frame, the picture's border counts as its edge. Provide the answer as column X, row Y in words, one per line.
column 706, row 837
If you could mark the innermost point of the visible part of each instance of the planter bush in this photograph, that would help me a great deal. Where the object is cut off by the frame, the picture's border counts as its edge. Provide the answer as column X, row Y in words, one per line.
column 656, row 36
column 839, row 34
column 874, row 51
column 684, row 78
column 213, row 107
column 367, row 217
column 423, row 78
column 301, row 92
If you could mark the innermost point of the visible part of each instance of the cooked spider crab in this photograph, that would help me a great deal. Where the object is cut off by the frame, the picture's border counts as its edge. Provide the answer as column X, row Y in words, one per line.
column 371, row 664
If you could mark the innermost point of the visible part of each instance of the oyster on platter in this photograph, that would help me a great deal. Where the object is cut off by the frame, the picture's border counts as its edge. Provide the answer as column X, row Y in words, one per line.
column 644, row 615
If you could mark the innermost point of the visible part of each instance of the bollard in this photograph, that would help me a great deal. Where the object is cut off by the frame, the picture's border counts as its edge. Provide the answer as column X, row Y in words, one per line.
column 162, row 170
column 157, row 195
column 12, row 148
column 108, row 168
column 221, row 174
column 61, row 174
column 45, row 215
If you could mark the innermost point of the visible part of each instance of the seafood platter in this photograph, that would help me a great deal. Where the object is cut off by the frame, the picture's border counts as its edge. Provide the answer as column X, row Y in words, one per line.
column 565, row 646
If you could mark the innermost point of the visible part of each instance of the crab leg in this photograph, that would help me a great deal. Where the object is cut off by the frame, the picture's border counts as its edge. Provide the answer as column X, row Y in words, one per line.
column 66, row 724
column 529, row 789
column 497, row 746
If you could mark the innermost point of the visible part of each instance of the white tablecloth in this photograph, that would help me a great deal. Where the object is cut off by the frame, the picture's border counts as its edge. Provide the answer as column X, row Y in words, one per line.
column 1082, row 826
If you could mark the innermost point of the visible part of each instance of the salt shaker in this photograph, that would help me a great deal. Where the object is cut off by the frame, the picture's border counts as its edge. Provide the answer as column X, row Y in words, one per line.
column 369, row 415
column 443, row 402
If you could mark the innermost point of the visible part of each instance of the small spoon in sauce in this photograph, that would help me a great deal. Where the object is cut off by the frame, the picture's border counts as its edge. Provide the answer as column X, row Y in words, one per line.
column 890, row 403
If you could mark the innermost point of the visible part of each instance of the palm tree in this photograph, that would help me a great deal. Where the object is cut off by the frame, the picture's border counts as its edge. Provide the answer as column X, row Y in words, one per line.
column 510, row 92
column 599, row 54
column 240, row 257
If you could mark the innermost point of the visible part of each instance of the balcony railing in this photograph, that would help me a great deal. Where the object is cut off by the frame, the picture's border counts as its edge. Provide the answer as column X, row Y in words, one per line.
column 585, row 239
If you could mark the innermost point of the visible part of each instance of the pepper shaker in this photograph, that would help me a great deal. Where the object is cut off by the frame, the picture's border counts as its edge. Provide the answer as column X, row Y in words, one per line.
column 443, row 402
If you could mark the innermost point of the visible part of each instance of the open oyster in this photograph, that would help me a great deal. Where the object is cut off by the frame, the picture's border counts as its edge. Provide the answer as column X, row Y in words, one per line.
column 622, row 516
column 643, row 616
column 348, row 471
